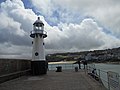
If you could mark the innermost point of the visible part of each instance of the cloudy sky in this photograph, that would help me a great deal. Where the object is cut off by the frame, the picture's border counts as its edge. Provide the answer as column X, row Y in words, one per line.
column 71, row 25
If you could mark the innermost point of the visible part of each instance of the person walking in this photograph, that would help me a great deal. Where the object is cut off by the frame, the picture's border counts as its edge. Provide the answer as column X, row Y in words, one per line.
column 79, row 63
column 85, row 64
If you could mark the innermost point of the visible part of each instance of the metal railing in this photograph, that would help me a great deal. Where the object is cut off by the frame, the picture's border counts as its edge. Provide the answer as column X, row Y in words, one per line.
column 100, row 75
column 64, row 66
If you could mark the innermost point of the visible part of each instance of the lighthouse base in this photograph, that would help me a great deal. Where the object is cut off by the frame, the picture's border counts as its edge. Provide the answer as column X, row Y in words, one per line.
column 39, row 67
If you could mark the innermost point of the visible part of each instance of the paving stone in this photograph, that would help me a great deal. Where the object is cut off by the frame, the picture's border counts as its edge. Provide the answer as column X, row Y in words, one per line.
column 65, row 80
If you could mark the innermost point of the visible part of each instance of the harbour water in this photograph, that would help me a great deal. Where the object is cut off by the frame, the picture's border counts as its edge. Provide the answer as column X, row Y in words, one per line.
column 109, row 67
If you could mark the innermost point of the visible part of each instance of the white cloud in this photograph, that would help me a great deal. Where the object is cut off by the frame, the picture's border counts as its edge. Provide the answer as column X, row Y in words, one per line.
column 17, row 22
column 8, row 50
column 44, row 6
column 84, row 36
column 15, row 27
column 10, row 25
column 106, row 12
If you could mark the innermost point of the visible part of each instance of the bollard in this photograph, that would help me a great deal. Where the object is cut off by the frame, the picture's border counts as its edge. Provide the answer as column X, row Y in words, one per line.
column 76, row 69
column 59, row 69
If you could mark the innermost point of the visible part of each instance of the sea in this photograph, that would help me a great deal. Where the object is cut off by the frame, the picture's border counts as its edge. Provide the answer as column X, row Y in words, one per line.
column 108, row 67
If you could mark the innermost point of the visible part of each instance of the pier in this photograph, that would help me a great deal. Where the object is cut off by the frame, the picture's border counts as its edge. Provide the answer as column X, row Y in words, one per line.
column 65, row 80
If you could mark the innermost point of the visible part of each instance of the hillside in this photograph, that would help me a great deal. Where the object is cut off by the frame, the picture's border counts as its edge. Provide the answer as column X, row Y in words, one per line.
column 111, row 55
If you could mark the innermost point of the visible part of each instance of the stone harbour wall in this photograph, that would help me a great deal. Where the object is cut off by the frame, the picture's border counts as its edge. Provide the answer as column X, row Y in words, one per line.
column 13, row 68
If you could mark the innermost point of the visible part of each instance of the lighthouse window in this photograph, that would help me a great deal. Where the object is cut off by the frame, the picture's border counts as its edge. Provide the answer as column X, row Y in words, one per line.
column 36, row 54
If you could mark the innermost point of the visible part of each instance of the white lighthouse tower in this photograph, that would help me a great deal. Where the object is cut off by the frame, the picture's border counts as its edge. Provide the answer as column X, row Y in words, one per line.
column 38, row 63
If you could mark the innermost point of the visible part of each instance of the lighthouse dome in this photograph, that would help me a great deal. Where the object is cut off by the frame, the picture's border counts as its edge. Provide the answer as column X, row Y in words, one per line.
column 38, row 23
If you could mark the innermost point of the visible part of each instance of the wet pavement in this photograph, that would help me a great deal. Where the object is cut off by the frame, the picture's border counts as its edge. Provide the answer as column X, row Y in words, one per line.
column 65, row 80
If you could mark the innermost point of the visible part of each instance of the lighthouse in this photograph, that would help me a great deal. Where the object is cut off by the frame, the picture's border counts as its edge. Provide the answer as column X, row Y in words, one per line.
column 38, row 63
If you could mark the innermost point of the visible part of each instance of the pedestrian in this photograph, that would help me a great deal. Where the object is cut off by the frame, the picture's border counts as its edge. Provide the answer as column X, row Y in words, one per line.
column 85, row 64
column 94, row 72
column 79, row 63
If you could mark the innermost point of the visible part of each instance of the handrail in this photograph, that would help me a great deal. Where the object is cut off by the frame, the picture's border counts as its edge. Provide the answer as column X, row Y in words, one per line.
column 103, row 78
column 100, row 75
column 64, row 66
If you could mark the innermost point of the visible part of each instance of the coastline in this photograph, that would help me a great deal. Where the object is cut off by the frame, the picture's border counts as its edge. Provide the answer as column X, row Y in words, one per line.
column 62, row 62
column 117, row 63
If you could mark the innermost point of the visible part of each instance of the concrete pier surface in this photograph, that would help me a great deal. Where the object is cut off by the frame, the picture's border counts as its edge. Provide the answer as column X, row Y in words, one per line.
column 65, row 80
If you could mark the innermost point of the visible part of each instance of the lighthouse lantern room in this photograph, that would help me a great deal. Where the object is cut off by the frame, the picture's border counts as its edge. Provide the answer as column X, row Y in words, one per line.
column 38, row 63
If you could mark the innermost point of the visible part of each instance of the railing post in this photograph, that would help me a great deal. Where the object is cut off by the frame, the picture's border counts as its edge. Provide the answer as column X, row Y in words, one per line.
column 65, row 66
column 99, row 73
column 87, row 69
column 108, row 82
column 72, row 66
column 51, row 66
